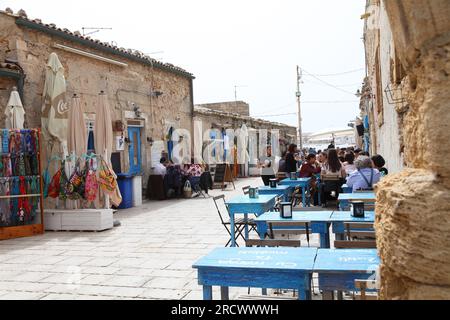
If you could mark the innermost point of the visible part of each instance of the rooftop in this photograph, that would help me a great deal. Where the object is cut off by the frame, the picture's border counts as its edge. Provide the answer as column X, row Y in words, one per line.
column 50, row 28
column 206, row 111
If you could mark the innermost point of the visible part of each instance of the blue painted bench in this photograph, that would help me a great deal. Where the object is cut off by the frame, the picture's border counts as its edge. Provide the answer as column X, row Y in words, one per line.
column 277, row 268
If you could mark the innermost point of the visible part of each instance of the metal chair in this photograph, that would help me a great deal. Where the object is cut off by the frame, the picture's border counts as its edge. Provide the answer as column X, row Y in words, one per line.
column 363, row 286
column 239, row 225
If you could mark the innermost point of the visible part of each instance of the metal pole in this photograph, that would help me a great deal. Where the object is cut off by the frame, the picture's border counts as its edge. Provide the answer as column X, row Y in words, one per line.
column 299, row 95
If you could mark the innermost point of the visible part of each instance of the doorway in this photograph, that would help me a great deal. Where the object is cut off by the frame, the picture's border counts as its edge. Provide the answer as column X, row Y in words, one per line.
column 134, row 134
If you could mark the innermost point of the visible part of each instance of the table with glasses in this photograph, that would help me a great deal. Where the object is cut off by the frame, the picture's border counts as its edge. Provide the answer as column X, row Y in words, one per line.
column 302, row 183
column 339, row 218
column 366, row 197
column 319, row 223
column 338, row 268
column 286, row 268
column 246, row 205
column 280, row 191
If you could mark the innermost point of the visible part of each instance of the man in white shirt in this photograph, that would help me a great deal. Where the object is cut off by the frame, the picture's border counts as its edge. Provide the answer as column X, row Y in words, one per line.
column 160, row 168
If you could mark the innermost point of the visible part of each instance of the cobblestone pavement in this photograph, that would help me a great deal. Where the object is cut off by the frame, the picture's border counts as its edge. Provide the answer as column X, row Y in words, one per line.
column 149, row 256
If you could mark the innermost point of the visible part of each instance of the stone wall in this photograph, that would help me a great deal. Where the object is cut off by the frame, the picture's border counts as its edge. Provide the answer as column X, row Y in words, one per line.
column 413, row 207
column 126, row 87
column 238, row 107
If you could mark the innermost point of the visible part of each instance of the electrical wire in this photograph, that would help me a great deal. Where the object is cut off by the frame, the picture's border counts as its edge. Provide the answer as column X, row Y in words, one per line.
column 311, row 102
column 327, row 83
column 336, row 74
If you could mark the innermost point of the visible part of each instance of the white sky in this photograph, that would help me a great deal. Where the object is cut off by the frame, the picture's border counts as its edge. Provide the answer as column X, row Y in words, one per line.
column 254, row 44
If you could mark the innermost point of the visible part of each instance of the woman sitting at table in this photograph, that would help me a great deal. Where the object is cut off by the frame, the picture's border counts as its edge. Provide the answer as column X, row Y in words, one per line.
column 365, row 177
column 333, row 177
column 349, row 163
column 292, row 158
column 309, row 169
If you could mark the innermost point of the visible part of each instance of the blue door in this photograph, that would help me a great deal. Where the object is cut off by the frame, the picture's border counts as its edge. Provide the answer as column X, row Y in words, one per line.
column 134, row 135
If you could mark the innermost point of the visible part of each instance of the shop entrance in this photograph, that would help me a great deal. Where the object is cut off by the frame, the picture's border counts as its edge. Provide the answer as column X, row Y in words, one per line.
column 134, row 134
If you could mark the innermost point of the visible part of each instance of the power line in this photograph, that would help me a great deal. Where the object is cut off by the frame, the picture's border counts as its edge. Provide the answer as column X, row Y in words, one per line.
column 318, row 102
column 336, row 74
column 328, row 84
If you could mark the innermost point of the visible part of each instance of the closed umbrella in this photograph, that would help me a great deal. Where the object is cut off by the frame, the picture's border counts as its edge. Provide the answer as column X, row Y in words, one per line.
column 14, row 112
column 77, row 135
column 103, row 136
column 55, row 109
column 103, row 133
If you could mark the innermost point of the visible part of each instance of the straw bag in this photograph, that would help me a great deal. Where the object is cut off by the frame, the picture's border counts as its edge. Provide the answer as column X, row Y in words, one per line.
column 187, row 190
column 107, row 178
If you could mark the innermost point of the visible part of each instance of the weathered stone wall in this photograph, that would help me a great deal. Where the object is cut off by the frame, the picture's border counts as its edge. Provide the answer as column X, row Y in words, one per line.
column 126, row 87
column 413, row 207
column 239, row 107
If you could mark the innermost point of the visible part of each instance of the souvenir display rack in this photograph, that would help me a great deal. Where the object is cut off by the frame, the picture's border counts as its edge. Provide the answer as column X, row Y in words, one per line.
column 21, row 184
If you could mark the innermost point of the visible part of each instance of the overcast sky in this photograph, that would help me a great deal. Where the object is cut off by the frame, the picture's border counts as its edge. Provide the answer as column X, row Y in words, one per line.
column 255, row 45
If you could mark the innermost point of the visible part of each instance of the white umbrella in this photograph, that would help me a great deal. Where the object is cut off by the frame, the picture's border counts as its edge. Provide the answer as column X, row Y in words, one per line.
column 103, row 135
column 54, row 108
column 77, row 132
column 14, row 112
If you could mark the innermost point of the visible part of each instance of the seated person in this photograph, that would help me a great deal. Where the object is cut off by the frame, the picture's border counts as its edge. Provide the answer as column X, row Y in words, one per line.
column 365, row 177
column 334, row 168
column 161, row 168
column 349, row 164
column 309, row 169
column 378, row 162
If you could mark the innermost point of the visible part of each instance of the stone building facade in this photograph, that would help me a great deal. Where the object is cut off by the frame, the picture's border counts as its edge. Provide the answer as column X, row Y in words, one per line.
column 142, row 92
column 221, row 121
column 407, row 97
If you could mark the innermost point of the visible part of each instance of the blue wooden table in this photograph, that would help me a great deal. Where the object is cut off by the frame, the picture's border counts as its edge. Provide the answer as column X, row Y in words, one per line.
column 339, row 218
column 319, row 220
column 338, row 269
column 277, row 268
column 244, row 205
column 303, row 183
column 345, row 198
column 278, row 191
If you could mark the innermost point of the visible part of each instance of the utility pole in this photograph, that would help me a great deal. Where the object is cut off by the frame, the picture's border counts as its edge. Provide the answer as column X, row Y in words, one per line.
column 299, row 95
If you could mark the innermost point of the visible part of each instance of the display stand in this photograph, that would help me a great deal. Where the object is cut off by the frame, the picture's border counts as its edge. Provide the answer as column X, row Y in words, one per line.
column 223, row 175
column 22, row 214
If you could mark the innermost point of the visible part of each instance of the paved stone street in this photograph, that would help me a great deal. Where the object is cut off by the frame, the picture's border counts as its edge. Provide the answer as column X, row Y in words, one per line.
column 149, row 257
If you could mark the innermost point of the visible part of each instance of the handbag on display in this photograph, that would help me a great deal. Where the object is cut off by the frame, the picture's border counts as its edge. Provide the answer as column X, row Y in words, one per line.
column 54, row 185
column 91, row 185
column 107, row 179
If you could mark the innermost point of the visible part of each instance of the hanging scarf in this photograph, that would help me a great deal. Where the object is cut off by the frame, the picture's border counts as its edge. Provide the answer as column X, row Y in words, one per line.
column 5, row 141
column 24, row 203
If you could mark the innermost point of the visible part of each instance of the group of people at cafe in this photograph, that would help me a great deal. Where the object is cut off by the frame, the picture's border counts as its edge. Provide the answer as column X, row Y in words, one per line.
column 333, row 166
